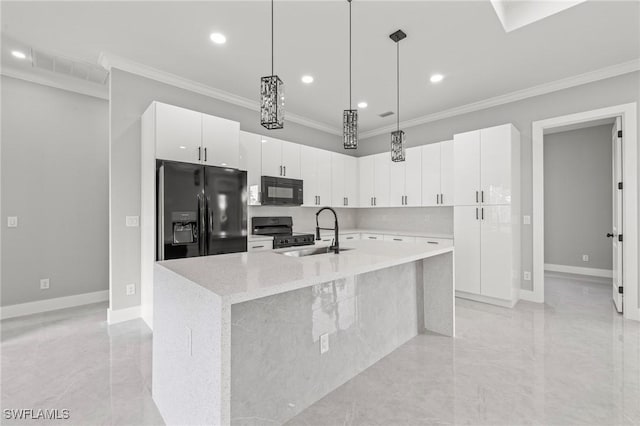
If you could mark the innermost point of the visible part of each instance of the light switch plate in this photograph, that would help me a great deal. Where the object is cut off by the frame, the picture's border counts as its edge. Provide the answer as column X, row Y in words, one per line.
column 131, row 289
column 585, row 257
column 12, row 221
column 133, row 221
column 324, row 343
column 44, row 284
column 527, row 276
column 526, row 220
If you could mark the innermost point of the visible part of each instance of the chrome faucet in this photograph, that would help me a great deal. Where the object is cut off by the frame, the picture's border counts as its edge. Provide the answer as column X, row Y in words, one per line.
column 336, row 246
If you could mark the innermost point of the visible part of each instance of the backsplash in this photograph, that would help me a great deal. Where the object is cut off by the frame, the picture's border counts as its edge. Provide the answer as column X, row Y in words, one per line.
column 438, row 220
column 304, row 218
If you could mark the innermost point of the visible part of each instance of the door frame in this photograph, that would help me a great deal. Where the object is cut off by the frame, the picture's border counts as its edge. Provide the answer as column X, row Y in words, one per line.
column 628, row 113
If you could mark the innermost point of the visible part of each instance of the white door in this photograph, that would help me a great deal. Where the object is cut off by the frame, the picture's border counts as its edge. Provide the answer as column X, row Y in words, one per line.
column 250, row 160
column 381, row 179
column 338, row 184
column 291, row 160
column 617, row 214
column 495, row 165
column 466, row 152
column 271, row 157
column 323, row 177
column 446, row 173
column 351, row 181
column 431, row 174
column 308, row 156
column 220, row 142
column 397, row 183
column 413, row 177
column 365, row 166
column 178, row 134
column 495, row 248
column 466, row 237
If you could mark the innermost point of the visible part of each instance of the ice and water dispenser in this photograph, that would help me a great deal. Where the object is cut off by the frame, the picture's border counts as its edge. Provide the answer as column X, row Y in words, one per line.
column 185, row 228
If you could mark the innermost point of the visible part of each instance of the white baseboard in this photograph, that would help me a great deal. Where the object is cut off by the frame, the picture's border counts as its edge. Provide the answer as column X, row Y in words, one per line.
column 486, row 299
column 593, row 272
column 122, row 315
column 530, row 296
column 46, row 305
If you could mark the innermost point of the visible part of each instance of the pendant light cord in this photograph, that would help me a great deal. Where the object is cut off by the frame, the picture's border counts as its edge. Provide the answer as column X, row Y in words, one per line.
column 271, row 37
column 350, row 98
column 398, row 85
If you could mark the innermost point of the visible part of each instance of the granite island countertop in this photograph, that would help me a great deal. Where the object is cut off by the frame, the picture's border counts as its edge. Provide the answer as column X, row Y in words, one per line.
column 240, row 277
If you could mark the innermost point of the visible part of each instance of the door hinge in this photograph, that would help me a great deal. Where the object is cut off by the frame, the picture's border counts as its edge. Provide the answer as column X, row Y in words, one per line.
column 620, row 290
column 619, row 185
column 620, row 237
column 619, row 133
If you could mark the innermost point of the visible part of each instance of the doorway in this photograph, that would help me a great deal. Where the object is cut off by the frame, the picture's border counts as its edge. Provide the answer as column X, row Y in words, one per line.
column 628, row 207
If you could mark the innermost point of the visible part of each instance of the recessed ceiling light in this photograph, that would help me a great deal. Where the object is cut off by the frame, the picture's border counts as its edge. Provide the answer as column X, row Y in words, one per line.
column 436, row 78
column 362, row 105
column 307, row 79
column 218, row 38
column 18, row 54
column 182, row 147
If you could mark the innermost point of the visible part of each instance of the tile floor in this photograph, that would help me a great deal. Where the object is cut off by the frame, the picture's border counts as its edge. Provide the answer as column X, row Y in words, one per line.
column 573, row 361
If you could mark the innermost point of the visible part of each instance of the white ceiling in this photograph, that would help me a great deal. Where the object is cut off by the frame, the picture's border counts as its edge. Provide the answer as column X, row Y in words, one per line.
column 464, row 40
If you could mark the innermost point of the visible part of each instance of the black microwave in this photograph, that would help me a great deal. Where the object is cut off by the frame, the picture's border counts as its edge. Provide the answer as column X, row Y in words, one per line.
column 277, row 191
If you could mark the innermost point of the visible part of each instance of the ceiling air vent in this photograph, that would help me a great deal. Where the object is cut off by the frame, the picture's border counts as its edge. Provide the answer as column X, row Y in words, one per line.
column 386, row 114
column 68, row 67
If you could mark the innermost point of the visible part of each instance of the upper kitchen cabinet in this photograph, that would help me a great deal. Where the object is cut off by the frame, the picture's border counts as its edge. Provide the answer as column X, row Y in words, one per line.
column 487, row 166
column 437, row 174
column 405, row 178
column 316, row 176
column 178, row 133
column 374, row 180
column 365, row 179
column 251, row 161
column 344, row 180
column 220, row 142
column 280, row 158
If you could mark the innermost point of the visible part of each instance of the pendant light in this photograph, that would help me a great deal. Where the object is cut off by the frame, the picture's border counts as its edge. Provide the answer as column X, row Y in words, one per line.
column 350, row 116
column 397, row 137
column 272, row 95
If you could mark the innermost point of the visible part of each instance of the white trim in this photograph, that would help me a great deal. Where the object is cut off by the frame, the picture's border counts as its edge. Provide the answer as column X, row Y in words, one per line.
column 121, row 315
column 628, row 112
column 108, row 61
column 565, row 83
column 29, row 308
column 486, row 299
column 579, row 270
column 83, row 88
column 529, row 296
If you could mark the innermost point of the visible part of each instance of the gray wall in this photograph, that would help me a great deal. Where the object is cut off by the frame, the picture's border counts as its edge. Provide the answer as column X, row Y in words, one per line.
column 54, row 178
column 130, row 97
column 577, row 197
column 613, row 91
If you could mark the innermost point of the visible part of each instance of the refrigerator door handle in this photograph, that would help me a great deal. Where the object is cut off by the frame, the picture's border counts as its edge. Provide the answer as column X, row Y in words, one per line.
column 209, row 228
column 201, row 223
column 160, row 215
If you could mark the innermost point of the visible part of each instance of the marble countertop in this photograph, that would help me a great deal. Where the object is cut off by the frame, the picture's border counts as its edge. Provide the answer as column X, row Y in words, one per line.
column 240, row 277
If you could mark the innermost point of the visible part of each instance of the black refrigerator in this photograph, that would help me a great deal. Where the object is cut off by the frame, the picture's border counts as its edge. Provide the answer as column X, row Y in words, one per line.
column 200, row 211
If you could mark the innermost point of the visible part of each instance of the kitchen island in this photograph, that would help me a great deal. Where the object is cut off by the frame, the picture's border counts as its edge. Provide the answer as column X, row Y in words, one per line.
column 238, row 337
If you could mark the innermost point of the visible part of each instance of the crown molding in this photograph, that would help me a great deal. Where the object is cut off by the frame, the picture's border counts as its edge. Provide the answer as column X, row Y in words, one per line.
column 108, row 61
column 542, row 89
column 58, row 82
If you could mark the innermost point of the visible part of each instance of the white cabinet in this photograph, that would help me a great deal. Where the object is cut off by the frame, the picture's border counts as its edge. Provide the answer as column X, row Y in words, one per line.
column 316, row 176
column 405, row 178
column 365, row 172
column 260, row 245
column 487, row 165
column 344, row 180
column 466, row 229
column 399, row 238
column 220, row 142
column 178, row 133
column 280, row 158
column 496, row 253
column 437, row 174
column 251, row 161
column 381, row 169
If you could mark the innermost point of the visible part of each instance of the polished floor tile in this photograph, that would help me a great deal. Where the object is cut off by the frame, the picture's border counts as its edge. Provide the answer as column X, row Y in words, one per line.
column 572, row 361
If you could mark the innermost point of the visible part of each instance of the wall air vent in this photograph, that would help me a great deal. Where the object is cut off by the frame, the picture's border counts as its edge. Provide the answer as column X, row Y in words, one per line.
column 386, row 114
column 68, row 67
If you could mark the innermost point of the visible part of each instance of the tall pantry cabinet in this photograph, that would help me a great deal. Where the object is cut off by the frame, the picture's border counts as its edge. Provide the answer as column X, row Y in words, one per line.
column 487, row 214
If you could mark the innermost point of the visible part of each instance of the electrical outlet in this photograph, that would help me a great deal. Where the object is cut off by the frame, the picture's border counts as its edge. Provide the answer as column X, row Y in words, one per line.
column 324, row 343
column 527, row 276
column 132, row 221
column 585, row 257
column 526, row 220
column 12, row 221
column 131, row 289
column 44, row 284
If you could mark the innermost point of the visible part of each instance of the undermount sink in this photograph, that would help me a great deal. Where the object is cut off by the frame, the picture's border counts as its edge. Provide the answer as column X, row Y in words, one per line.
column 311, row 251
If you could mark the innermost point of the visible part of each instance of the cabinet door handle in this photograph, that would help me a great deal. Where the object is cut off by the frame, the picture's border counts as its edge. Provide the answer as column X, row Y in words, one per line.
column 205, row 154
column 257, row 246
column 432, row 242
column 397, row 239
column 441, row 198
column 375, row 201
column 437, row 198
column 281, row 173
column 482, row 213
column 319, row 200
column 476, row 196
column 285, row 170
column 199, row 153
column 349, row 238
column 482, row 196
column 476, row 213
column 372, row 238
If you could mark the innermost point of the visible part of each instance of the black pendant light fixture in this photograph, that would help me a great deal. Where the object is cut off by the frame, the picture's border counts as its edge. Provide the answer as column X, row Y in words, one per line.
column 272, row 95
column 350, row 116
column 397, row 137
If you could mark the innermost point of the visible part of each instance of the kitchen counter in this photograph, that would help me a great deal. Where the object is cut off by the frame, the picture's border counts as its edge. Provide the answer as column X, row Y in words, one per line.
column 283, row 331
